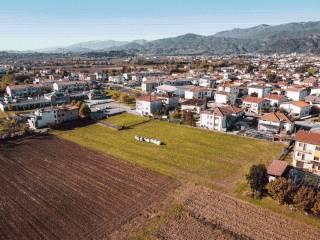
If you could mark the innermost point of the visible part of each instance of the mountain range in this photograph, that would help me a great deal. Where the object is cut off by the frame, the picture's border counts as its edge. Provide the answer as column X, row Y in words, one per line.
column 303, row 37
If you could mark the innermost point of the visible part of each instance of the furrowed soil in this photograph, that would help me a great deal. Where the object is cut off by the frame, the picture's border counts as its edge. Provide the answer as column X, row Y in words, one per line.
column 54, row 189
column 209, row 214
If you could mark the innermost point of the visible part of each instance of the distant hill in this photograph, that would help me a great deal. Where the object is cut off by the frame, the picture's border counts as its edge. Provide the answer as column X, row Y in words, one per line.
column 285, row 38
column 267, row 32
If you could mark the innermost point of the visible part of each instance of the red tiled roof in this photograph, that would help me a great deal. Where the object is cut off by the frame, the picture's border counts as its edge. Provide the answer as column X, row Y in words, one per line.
column 194, row 102
column 253, row 99
column 308, row 137
column 275, row 97
column 300, row 103
column 277, row 168
column 222, row 111
column 148, row 98
column 276, row 117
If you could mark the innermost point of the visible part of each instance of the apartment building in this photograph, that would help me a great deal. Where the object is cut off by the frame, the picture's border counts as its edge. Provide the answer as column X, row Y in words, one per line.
column 70, row 86
column 307, row 151
column 148, row 105
column 220, row 118
column 52, row 116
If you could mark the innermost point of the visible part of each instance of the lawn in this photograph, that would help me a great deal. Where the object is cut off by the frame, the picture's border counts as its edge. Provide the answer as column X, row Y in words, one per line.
column 202, row 157
column 126, row 120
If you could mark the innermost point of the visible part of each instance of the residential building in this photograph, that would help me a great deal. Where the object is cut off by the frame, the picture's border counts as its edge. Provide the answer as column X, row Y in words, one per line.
column 195, row 92
column 220, row 118
column 276, row 99
column 296, row 94
column 147, row 105
column 255, row 104
column 28, row 90
column 45, row 117
column 70, row 86
column 275, row 123
column 307, row 151
column 194, row 105
column 222, row 98
column 297, row 109
column 260, row 91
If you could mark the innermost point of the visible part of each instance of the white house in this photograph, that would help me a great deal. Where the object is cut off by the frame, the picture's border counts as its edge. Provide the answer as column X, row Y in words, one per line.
column 275, row 123
column 261, row 91
column 297, row 109
column 222, row 98
column 117, row 79
column 177, row 90
column 148, row 105
column 296, row 94
column 194, row 105
column 194, row 92
column 70, row 86
column 255, row 104
column 27, row 90
column 315, row 91
column 220, row 118
column 52, row 116
column 207, row 82
column 276, row 99
column 307, row 151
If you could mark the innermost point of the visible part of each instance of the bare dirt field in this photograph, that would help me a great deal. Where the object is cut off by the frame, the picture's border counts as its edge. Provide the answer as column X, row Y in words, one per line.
column 211, row 215
column 55, row 189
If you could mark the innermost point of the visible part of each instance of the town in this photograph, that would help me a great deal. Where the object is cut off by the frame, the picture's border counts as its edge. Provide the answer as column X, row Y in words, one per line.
column 275, row 98
column 160, row 120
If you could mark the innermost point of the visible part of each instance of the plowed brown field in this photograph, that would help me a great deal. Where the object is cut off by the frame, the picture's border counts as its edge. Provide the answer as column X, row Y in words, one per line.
column 213, row 215
column 54, row 189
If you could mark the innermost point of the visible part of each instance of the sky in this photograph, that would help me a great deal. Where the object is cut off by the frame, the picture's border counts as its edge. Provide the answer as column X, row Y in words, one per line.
column 37, row 24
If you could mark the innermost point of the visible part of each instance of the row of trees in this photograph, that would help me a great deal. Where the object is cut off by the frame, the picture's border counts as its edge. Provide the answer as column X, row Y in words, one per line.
column 282, row 190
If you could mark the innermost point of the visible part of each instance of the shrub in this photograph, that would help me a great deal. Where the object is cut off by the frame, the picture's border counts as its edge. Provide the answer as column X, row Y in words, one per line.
column 304, row 199
column 280, row 190
column 316, row 208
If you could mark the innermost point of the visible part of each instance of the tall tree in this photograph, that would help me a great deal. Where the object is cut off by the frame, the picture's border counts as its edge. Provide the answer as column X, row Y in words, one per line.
column 257, row 178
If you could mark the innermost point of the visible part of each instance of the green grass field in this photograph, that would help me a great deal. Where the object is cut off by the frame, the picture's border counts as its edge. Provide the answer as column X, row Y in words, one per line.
column 126, row 120
column 202, row 157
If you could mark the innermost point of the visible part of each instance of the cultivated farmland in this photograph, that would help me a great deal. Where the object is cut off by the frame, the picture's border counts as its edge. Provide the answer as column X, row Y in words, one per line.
column 53, row 189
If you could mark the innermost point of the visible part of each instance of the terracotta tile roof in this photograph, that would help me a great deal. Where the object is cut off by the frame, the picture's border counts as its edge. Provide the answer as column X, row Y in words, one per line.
column 300, row 104
column 194, row 102
column 222, row 93
column 222, row 111
column 276, row 117
column 275, row 97
column 253, row 99
column 308, row 137
column 196, row 89
column 148, row 98
column 294, row 89
column 277, row 168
